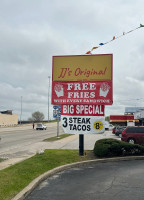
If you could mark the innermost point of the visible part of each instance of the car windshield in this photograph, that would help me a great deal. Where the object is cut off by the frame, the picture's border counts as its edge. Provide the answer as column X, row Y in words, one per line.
column 39, row 125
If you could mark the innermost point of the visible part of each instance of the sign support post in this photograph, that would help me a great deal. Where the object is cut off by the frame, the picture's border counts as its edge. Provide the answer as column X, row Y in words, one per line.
column 57, row 115
column 81, row 145
column 57, row 128
column 58, row 123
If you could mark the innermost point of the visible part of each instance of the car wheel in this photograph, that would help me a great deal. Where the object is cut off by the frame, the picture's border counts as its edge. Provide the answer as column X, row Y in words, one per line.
column 131, row 141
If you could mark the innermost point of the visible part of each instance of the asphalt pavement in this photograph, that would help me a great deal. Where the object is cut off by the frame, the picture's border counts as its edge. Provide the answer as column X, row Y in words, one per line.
column 97, row 181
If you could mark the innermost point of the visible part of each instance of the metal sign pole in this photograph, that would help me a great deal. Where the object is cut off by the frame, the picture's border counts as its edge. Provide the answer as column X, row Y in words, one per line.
column 48, row 96
column 81, row 145
column 57, row 114
column 57, row 123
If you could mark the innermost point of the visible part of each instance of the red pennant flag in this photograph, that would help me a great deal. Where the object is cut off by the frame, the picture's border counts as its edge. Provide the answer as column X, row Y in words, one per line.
column 88, row 52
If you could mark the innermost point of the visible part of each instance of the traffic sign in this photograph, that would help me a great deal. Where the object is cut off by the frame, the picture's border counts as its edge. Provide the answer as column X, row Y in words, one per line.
column 55, row 107
column 56, row 114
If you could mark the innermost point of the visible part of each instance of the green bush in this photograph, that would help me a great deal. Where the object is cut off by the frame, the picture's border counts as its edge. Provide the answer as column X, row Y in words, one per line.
column 113, row 147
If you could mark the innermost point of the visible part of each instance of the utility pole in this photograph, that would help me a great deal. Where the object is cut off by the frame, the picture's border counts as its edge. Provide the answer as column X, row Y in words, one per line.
column 48, row 95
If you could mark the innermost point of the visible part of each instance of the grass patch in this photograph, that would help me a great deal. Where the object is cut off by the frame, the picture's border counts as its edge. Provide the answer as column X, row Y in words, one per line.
column 57, row 138
column 13, row 179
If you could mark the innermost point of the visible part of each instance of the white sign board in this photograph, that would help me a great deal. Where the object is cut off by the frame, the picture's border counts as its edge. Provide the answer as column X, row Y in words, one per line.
column 83, row 119
column 83, row 124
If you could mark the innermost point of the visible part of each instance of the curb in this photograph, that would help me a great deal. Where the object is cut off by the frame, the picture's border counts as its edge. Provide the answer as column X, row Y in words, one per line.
column 27, row 190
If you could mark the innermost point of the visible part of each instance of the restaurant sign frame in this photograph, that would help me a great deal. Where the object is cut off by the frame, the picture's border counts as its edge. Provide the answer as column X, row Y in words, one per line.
column 82, row 79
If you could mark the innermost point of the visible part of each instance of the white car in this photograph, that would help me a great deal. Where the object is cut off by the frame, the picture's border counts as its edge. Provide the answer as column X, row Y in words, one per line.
column 108, row 126
column 41, row 127
column 111, row 127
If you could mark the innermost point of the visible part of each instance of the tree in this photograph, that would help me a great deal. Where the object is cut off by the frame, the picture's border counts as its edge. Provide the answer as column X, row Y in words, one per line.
column 107, row 118
column 37, row 117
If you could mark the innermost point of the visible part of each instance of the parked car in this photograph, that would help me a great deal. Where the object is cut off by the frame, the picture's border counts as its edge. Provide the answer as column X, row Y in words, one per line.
column 106, row 123
column 133, row 135
column 108, row 126
column 41, row 127
column 111, row 127
column 119, row 130
column 115, row 129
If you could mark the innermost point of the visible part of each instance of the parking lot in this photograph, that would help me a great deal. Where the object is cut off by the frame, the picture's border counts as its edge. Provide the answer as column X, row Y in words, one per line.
column 102, row 181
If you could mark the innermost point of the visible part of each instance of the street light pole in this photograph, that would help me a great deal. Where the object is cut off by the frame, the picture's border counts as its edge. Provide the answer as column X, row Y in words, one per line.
column 21, row 111
column 48, row 95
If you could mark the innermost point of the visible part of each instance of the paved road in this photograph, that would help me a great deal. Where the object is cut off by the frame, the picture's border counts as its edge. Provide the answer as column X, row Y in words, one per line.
column 101, row 181
column 19, row 143
column 15, row 138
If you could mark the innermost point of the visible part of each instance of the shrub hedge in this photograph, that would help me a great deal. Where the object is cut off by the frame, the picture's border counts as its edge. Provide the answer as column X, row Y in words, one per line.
column 113, row 147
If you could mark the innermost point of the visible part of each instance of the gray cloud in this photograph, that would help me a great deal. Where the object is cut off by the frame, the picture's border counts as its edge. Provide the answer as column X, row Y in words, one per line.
column 31, row 32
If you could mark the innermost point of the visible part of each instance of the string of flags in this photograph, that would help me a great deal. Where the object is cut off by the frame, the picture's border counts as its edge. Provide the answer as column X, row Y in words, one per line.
column 114, row 38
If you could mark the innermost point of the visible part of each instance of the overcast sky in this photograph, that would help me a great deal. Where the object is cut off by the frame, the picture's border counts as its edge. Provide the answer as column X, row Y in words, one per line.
column 32, row 31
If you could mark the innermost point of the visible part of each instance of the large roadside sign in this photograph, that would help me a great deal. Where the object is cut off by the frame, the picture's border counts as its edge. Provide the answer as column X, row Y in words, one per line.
column 84, row 79
column 83, row 119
